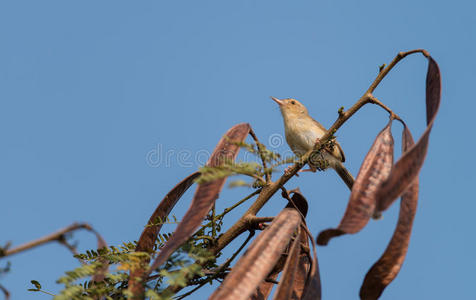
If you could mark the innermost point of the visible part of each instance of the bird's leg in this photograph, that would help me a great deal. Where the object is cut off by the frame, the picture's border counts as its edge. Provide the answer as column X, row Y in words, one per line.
column 311, row 168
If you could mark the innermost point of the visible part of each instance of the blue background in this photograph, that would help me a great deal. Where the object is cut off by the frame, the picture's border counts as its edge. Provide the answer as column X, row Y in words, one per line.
column 90, row 91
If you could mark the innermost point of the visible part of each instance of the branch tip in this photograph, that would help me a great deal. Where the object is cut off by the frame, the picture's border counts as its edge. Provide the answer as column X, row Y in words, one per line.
column 341, row 111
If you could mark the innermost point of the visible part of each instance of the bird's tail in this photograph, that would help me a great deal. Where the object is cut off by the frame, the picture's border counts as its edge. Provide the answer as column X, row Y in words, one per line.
column 344, row 174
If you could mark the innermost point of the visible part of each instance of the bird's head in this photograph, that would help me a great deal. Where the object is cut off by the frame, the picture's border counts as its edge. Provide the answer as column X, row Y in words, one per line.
column 291, row 108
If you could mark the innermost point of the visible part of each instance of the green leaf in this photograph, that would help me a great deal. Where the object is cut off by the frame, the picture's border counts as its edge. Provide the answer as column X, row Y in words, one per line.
column 36, row 284
column 238, row 183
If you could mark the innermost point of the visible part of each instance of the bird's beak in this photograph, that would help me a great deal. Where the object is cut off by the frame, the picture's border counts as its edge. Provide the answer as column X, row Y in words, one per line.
column 277, row 101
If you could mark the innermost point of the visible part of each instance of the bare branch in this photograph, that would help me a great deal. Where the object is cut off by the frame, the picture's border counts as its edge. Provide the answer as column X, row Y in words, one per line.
column 56, row 236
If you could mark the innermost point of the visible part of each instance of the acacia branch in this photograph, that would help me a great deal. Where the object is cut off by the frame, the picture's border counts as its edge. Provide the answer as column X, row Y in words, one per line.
column 220, row 269
column 384, row 71
column 269, row 190
column 58, row 236
column 379, row 103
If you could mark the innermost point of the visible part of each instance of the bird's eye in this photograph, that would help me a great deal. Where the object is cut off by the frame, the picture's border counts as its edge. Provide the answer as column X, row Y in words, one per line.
column 293, row 102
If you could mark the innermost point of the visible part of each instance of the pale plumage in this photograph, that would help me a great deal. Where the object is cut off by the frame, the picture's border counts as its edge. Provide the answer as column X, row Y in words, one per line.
column 302, row 132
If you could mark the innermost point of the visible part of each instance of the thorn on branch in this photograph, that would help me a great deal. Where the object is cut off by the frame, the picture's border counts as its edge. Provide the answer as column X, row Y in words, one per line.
column 380, row 69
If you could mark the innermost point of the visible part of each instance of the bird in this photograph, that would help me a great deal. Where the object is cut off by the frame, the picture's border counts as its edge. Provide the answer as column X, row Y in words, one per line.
column 302, row 132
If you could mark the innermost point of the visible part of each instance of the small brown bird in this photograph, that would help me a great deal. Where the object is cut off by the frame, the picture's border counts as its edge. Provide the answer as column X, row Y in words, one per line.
column 302, row 132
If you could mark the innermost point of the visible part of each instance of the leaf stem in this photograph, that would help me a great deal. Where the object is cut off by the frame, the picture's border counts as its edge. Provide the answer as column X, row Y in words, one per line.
column 214, row 225
column 260, row 151
column 228, row 209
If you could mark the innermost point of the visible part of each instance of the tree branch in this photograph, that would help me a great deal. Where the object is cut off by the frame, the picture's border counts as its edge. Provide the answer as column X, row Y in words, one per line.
column 392, row 114
column 56, row 236
column 220, row 269
column 271, row 187
column 269, row 190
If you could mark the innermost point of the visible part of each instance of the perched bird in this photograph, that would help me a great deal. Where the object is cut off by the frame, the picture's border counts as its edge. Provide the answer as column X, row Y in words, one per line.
column 302, row 132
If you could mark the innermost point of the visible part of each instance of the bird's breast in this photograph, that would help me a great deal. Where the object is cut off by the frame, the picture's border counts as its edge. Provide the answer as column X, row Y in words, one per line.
column 301, row 136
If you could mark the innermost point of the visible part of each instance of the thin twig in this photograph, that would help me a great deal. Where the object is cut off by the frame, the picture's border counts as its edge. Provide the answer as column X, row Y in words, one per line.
column 390, row 66
column 260, row 151
column 71, row 248
column 56, row 236
column 220, row 269
column 5, row 292
column 214, row 225
column 204, row 237
column 228, row 209
column 379, row 103
column 254, row 176
column 46, row 292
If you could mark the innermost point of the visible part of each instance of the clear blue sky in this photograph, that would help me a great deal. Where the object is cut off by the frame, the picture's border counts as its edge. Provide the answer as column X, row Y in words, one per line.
column 89, row 88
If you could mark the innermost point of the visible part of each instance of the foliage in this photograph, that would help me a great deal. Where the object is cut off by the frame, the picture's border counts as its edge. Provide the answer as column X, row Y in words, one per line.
column 160, row 265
